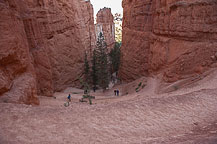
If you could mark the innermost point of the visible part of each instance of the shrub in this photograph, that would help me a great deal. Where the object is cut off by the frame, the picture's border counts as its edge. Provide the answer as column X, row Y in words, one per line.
column 137, row 89
column 89, row 97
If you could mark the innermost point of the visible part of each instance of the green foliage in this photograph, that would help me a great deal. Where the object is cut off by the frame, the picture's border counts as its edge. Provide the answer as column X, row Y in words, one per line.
column 85, row 96
column 102, row 66
column 90, row 101
column 85, row 85
column 89, row 97
column 94, row 69
column 115, row 55
column 140, row 86
column 137, row 89
column 86, row 68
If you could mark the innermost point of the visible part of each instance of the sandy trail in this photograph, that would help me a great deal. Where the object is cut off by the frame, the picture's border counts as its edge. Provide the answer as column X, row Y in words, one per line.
column 186, row 116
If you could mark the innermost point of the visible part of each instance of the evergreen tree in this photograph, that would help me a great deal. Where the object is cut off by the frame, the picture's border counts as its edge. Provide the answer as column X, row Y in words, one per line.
column 102, row 62
column 115, row 55
column 86, row 69
column 94, row 69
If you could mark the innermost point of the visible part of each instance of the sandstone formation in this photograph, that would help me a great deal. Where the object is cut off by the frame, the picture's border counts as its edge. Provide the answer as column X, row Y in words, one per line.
column 105, row 24
column 177, row 38
column 42, row 44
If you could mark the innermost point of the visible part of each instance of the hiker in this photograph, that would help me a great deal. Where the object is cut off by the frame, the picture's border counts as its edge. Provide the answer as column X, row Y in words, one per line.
column 69, row 98
column 94, row 89
column 117, row 92
column 85, row 91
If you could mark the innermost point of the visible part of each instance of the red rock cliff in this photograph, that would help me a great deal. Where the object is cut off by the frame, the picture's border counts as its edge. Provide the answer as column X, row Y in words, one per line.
column 105, row 24
column 175, row 37
column 42, row 45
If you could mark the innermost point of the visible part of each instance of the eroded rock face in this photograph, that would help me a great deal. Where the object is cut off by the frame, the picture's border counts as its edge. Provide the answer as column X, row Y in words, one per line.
column 42, row 46
column 175, row 37
column 105, row 24
column 17, row 78
column 68, row 27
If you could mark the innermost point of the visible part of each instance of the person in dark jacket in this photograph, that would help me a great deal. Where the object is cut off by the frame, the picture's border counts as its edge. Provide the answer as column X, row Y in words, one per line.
column 94, row 89
column 69, row 97
column 117, row 92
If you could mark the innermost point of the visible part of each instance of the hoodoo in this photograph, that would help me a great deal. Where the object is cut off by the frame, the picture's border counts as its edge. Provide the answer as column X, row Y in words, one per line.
column 105, row 25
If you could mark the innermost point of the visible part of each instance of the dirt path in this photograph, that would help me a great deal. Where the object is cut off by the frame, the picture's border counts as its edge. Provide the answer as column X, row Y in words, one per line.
column 186, row 116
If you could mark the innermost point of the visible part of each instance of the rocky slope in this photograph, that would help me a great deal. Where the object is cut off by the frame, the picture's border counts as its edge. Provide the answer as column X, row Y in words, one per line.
column 177, row 38
column 105, row 24
column 42, row 44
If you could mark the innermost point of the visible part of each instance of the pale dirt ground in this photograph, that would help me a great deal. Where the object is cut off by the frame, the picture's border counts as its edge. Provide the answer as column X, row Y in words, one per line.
column 186, row 116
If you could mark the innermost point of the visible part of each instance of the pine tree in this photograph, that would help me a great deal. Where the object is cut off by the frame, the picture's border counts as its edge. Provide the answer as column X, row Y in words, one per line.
column 102, row 62
column 86, row 69
column 115, row 55
column 94, row 69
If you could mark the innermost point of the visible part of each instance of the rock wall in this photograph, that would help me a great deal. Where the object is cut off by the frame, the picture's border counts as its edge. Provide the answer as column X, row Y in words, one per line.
column 42, row 44
column 177, row 38
column 17, row 76
column 69, row 30
column 105, row 24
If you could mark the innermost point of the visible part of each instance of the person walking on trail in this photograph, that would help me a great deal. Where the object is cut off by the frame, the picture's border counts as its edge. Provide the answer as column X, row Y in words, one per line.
column 69, row 98
column 117, row 92
column 94, row 89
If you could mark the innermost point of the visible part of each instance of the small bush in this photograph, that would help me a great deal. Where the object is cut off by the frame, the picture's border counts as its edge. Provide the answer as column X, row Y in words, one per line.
column 137, row 89
column 90, row 101
column 140, row 84
column 85, row 96
column 89, row 97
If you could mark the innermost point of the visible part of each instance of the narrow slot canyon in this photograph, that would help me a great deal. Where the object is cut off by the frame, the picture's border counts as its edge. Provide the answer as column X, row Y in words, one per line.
column 108, row 71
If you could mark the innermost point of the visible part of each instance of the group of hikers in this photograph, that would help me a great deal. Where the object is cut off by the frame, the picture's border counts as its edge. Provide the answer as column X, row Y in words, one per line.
column 116, row 92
